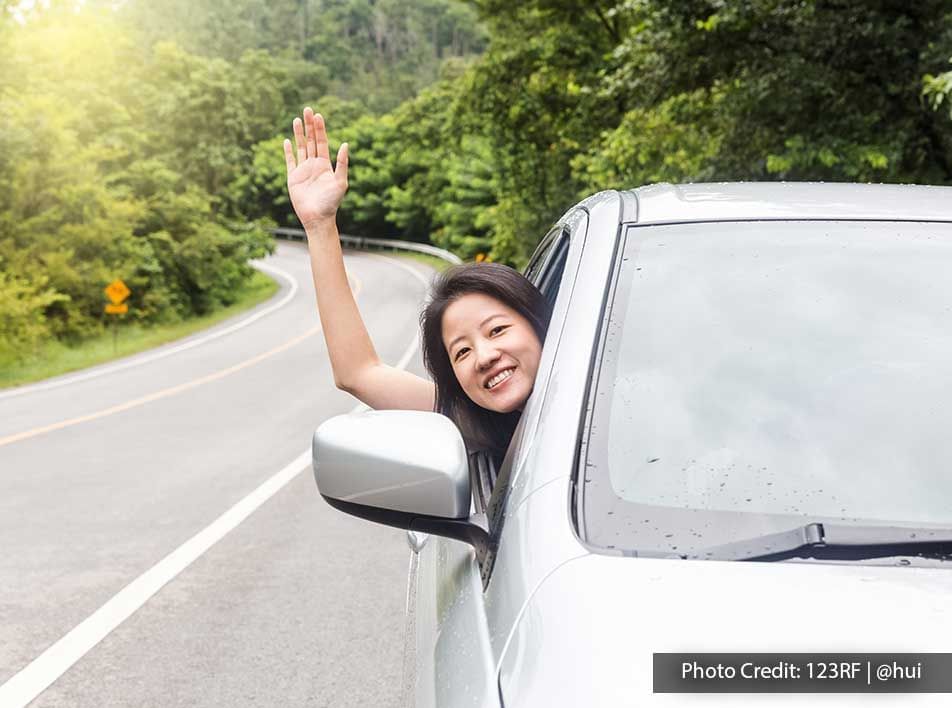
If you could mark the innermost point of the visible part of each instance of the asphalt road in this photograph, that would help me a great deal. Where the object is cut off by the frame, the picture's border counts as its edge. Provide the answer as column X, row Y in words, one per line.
column 103, row 477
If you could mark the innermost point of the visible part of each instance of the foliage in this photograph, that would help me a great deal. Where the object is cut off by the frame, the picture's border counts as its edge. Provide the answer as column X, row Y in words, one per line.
column 378, row 52
column 145, row 141
column 94, row 186
column 22, row 320
column 532, row 97
column 797, row 101
column 580, row 97
column 675, row 141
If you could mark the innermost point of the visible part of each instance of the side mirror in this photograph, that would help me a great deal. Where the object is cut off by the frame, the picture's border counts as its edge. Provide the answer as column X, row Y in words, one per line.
column 407, row 469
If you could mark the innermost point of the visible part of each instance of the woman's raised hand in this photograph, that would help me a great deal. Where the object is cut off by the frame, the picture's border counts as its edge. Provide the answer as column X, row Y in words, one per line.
column 315, row 187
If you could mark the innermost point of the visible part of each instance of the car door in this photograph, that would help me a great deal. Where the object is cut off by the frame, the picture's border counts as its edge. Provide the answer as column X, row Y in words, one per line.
column 449, row 653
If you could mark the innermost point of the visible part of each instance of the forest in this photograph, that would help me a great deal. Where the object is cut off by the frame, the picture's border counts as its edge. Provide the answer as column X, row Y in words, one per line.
column 142, row 139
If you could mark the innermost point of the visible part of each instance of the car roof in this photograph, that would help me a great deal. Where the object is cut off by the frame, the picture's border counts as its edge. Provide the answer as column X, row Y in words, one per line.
column 734, row 201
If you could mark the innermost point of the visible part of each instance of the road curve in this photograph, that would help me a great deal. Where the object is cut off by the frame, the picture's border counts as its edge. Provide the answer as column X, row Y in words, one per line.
column 103, row 476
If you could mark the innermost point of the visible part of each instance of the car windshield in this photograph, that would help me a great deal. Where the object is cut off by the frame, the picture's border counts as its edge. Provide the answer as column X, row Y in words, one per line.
column 757, row 376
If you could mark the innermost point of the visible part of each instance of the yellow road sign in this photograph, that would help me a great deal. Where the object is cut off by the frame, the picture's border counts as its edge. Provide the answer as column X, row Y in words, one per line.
column 114, row 309
column 117, row 292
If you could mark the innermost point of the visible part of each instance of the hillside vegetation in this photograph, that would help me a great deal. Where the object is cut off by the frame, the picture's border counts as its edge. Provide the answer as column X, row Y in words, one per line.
column 143, row 139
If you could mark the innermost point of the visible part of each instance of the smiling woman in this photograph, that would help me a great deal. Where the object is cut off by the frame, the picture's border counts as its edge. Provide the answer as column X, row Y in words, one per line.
column 482, row 338
column 482, row 328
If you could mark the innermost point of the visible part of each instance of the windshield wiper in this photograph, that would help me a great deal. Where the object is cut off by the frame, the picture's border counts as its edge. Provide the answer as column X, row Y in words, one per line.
column 836, row 542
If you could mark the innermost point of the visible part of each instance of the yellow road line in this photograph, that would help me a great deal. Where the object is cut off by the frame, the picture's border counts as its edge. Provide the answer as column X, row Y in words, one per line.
column 164, row 393
column 172, row 390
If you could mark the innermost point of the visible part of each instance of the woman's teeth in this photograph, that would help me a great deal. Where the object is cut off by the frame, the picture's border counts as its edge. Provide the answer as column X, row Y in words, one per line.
column 499, row 378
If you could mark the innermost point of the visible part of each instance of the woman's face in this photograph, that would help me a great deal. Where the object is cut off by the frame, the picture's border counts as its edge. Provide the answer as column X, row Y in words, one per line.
column 493, row 349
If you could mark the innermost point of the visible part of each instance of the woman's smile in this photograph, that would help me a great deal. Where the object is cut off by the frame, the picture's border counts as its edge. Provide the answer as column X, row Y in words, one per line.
column 499, row 379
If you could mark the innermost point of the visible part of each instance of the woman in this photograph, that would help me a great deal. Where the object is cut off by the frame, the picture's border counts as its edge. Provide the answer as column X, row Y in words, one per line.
column 482, row 328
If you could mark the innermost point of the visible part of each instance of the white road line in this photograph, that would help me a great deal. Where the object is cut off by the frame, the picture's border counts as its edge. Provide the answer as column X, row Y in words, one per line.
column 162, row 353
column 40, row 673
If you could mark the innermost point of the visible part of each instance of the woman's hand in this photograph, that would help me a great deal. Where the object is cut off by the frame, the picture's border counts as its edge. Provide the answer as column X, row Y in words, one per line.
column 315, row 187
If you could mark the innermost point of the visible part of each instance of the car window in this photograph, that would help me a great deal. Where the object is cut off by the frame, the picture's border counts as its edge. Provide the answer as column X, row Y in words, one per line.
column 482, row 475
column 757, row 376
column 550, row 276
column 542, row 255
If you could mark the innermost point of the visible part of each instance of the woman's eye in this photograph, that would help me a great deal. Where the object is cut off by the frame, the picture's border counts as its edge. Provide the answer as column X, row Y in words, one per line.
column 460, row 353
column 497, row 328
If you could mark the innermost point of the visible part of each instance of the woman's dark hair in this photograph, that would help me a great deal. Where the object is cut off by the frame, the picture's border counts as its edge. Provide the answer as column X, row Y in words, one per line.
column 481, row 428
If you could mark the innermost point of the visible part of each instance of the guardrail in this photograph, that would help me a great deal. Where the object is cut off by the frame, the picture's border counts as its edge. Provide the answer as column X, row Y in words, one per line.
column 363, row 242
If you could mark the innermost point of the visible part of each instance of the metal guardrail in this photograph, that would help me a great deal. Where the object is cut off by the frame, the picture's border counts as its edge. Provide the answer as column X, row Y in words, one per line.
column 363, row 242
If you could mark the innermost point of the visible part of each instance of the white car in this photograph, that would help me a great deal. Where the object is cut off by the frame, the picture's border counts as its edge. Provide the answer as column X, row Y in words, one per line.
column 739, row 440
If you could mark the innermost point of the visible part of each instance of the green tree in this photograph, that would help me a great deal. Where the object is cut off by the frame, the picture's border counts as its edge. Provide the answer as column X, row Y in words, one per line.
column 532, row 96
column 795, row 100
column 93, row 187
column 578, row 97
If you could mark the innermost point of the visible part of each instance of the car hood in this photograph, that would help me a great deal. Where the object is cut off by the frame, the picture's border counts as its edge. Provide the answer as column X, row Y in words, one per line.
column 588, row 632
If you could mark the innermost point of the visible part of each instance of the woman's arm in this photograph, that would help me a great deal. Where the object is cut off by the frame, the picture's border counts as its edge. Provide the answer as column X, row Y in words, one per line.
column 316, row 190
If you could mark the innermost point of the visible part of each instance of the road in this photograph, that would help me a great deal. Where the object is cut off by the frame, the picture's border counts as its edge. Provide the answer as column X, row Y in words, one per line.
column 130, row 544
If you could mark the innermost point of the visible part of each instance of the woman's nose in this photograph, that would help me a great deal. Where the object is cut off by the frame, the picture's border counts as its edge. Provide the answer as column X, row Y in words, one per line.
column 486, row 355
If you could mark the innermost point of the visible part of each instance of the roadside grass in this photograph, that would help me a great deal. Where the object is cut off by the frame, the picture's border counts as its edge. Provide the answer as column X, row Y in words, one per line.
column 438, row 264
column 57, row 358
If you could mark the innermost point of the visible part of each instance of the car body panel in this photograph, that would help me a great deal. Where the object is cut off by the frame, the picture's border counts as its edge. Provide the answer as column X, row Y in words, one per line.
column 536, row 540
column 588, row 633
column 454, row 662
column 667, row 203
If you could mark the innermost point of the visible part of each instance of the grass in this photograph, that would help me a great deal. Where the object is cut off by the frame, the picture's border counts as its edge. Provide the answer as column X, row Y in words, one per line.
column 57, row 358
column 438, row 264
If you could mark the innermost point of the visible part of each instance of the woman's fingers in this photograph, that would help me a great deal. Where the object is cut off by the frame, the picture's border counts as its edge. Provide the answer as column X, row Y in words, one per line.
column 309, row 132
column 289, row 156
column 310, row 138
column 340, row 172
column 299, row 140
column 320, row 135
